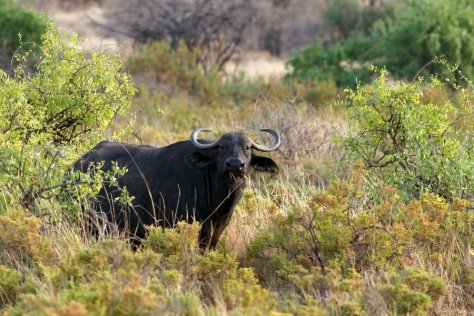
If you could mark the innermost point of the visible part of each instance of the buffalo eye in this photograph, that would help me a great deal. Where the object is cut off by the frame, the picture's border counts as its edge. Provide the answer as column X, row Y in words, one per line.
column 247, row 148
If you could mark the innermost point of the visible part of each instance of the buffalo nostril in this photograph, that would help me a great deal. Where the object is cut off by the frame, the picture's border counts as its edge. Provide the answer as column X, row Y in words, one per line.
column 234, row 164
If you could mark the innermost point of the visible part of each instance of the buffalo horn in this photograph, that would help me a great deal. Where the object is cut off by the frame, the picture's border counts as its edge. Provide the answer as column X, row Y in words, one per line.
column 196, row 143
column 275, row 144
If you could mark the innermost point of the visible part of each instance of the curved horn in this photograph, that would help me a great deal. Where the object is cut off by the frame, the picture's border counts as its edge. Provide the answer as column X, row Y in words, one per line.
column 196, row 143
column 275, row 144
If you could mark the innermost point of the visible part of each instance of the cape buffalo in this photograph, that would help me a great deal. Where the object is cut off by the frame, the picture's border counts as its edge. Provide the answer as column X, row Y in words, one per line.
column 192, row 180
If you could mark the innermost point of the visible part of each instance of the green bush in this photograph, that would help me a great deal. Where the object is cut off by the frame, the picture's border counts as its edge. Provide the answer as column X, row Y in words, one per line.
column 9, row 284
column 47, row 116
column 218, row 273
column 177, row 245
column 18, row 26
column 415, row 145
column 411, row 291
column 343, row 62
column 348, row 60
column 407, row 41
column 326, row 244
column 427, row 29
column 109, row 279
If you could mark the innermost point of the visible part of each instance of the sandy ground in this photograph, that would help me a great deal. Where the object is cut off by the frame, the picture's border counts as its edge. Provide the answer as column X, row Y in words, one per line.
column 86, row 21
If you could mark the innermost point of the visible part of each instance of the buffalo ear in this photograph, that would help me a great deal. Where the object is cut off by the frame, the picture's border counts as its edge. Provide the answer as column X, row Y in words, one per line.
column 264, row 164
column 200, row 159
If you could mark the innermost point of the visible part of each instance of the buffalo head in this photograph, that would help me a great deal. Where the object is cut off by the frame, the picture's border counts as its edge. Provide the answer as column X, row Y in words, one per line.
column 233, row 153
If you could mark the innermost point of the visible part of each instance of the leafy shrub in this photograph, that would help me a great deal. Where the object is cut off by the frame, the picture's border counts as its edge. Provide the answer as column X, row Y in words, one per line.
column 70, row 98
column 427, row 29
column 346, row 61
column 218, row 273
column 412, row 144
column 408, row 42
column 107, row 278
column 320, row 247
column 342, row 62
column 411, row 291
column 18, row 26
column 9, row 283
column 101, row 279
column 176, row 245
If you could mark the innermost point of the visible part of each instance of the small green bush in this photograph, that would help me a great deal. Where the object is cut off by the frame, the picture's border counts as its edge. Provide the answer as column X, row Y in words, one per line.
column 325, row 245
column 9, row 284
column 412, row 144
column 408, row 41
column 347, row 61
column 71, row 98
column 344, row 62
column 18, row 27
column 218, row 273
column 411, row 291
column 427, row 29
column 178, row 245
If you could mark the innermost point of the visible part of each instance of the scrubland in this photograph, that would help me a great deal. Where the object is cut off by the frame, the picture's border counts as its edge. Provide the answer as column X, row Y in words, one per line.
column 371, row 213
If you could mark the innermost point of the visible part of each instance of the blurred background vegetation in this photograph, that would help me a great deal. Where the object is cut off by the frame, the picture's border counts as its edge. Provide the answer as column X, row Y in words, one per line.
column 371, row 214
